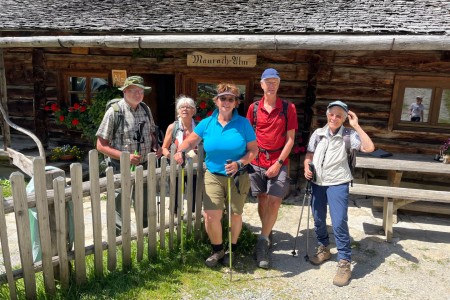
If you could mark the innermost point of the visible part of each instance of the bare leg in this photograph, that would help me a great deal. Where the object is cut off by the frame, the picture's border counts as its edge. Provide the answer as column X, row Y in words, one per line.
column 236, row 227
column 213, row 225
column 268, row 207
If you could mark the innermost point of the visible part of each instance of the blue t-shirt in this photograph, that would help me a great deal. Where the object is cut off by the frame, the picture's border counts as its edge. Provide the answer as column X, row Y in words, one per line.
column 222, row 143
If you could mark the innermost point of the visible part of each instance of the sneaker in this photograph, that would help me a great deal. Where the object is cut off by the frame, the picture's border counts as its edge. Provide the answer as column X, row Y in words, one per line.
column 343, row 274
column 214, row 258
column 262, row 254
column 323, row 254
column 226, row 258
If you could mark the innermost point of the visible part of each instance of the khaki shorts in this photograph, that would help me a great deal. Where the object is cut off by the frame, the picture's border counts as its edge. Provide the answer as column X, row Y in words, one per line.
column 216, row 190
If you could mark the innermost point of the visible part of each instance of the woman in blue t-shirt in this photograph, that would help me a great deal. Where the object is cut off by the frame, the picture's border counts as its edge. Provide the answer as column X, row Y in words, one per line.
column 226, row 136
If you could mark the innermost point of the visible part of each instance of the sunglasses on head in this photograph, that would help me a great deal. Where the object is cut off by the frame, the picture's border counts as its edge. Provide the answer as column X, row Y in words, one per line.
column 229, row 98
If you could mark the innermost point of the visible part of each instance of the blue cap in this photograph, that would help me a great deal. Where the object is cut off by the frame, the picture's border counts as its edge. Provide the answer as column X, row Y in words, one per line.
column 270, row 73
column 338, row 103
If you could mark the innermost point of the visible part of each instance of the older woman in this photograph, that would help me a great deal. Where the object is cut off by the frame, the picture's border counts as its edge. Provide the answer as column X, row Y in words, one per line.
column 177, row 132
column 226, row 135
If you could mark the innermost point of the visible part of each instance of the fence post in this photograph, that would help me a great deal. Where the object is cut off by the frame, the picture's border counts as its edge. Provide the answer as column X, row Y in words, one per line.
column 199, row 193
column 139, row 210
column 173, row 191
column 151, row 204
column 126, row 208
column 96, row 211
column 111, row 219
column 162, row 203
column 79, row 230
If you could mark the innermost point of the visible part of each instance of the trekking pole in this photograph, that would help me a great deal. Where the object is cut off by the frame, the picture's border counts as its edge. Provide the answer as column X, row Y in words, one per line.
column 309, row 192
column 308, row 187
column 229, row 161
column 140, row 139
column 180, row 203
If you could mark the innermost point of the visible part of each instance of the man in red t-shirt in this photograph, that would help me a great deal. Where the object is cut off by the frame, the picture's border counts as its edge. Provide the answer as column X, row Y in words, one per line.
column 270, row 181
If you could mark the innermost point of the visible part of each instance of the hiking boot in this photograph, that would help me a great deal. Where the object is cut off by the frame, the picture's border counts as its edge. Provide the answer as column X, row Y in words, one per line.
column 343, row 274
column 214, row 258
column 262, row 253
column 271, row 239
column 323, row 254
column 226, row 258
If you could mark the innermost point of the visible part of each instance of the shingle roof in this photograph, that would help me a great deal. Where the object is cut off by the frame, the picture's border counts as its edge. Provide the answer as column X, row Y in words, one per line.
column 251, row 16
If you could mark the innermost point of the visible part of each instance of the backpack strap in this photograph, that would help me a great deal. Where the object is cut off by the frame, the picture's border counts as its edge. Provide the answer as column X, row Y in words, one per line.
column 176, row 128
column 284, row 112
column 118, row 118
column 346, row 137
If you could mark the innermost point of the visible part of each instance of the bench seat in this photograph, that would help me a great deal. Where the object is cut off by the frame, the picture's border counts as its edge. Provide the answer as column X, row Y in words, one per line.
column 391, row 194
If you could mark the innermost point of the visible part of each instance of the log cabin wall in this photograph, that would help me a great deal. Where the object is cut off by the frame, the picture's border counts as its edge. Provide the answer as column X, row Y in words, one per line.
column 310, row 79
column 365, row 81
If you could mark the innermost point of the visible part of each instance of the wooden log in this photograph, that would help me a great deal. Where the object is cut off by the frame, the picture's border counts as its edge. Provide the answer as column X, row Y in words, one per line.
column 40, row 187
column 111, row 219
column 6, row 131
column 139, row 199
column 151, row 205
column 5, row 249
column 125, row 209
column 79, row 230
column 62, row 232
column 23, row 233
column 96, row 211
column 162, row 202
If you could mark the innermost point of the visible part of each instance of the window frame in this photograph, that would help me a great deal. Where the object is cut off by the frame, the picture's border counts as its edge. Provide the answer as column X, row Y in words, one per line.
column 437, row 84
column 67, row 89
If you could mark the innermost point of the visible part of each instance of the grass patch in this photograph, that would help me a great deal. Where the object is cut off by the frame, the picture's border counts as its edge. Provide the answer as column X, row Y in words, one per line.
column 6, row 187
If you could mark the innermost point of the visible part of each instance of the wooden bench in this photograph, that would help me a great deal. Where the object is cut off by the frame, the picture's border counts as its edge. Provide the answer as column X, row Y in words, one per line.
column 391, row 194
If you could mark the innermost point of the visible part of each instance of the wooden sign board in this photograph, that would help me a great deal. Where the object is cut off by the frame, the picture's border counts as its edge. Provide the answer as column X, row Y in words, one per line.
column 199, row 59
column 118, row 77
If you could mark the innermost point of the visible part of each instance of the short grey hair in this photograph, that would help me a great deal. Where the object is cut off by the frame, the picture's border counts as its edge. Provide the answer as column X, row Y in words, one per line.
column 345, row 113
column 184, row 100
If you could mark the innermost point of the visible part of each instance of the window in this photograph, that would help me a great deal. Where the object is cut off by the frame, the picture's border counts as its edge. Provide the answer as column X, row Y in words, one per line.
column 80, row 87
column 430, row 113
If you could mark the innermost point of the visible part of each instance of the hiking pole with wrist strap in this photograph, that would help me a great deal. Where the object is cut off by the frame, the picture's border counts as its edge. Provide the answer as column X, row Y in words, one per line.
column 139, row 137
column 309, row 192
column 230, row 247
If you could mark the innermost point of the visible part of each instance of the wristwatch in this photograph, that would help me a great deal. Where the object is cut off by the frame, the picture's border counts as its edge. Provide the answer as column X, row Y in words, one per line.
column 240, row 164
column 280, row 161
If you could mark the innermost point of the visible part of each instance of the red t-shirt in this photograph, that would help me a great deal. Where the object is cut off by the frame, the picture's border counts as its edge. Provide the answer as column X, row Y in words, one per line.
column 270, row 130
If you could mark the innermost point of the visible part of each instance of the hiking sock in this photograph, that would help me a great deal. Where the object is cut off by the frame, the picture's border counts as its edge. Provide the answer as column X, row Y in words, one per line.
column 217, row 248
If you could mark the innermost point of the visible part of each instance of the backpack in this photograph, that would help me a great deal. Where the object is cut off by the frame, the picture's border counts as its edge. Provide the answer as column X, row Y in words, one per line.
column 118, row 118
column 351, row 153
column 284, row 112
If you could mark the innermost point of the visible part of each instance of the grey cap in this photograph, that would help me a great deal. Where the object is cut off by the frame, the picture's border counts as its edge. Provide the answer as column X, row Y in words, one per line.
column 338, row 103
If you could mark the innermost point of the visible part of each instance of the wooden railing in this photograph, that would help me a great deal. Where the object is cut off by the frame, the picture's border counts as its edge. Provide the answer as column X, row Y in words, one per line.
column 54, row 237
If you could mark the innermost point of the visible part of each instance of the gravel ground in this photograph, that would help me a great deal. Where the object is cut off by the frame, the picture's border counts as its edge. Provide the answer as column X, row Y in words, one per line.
column 414, row 266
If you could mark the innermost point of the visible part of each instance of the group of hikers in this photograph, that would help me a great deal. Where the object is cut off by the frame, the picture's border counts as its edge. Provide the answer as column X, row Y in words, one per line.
column 253, row 151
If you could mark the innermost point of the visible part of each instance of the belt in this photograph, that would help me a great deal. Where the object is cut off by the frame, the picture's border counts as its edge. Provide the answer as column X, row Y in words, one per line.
column 269, row 151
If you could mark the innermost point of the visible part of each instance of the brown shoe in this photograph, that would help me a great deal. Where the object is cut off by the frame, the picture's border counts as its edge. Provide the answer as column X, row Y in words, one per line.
column 214, row 258
column 323, row 254
column 343, row 274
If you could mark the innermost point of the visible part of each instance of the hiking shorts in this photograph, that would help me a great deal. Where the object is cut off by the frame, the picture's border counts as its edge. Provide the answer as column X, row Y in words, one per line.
column 216, row 190
column 277, row 186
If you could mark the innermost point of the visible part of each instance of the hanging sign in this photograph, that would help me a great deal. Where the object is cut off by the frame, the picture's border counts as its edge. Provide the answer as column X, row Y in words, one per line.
column 200, row 59
column 118, row 77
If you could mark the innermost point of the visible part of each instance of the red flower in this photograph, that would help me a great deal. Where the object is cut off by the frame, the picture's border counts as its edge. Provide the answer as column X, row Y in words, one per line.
column 82, row 108
column 61, row 118
column 202, row 105
column 47, row 108
column 296, row 149
column 198, row 118
column 209, row 113
column 76, row 106
column 75, row 122
column 54, row 107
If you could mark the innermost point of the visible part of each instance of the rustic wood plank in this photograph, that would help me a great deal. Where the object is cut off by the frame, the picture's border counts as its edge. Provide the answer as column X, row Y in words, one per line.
column 162, row 203
column 111, row 219
column 62, row 232
column 23, row 233
column 5, row 249
column 173, row 191
column 180, row 204
column 126, row 209
column 139, row 211
column 96, row 211
column 189, row 196
column 79, row 230
column 151, row 205
column 199, row 193
column 40, row 187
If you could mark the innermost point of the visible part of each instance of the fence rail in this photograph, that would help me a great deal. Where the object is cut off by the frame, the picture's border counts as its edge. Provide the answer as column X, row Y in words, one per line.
column 52, row 199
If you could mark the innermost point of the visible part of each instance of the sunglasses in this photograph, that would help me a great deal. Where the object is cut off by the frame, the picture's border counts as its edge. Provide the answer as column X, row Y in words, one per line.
column 229, row 99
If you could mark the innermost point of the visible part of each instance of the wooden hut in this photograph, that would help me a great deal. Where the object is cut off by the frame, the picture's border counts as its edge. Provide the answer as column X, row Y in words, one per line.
column 374, row 55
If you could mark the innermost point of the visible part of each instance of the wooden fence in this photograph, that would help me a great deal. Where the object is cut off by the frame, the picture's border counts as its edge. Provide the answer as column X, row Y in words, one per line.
column 51, row 206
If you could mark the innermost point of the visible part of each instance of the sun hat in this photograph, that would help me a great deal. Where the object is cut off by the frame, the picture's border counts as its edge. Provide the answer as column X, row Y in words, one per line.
column 419, row 97
column 338, row 103
column 227, row 93
column 137, row 81
column 270, row 73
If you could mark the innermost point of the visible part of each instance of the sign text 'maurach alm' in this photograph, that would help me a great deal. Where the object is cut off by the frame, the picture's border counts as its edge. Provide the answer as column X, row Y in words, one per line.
column 199, row 59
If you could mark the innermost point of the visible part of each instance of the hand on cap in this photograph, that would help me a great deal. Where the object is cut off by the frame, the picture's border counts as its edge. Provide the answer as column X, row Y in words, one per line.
column 352, row 119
